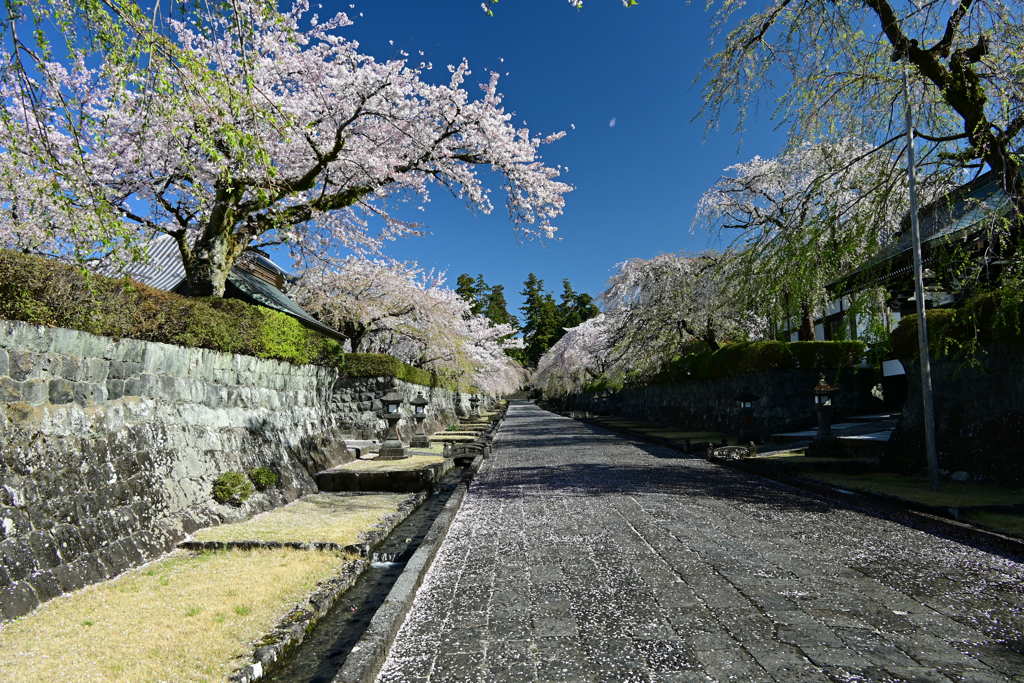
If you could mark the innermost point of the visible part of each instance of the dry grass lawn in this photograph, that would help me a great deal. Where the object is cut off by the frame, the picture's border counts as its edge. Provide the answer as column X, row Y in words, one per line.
column 414, row 462
column 186, row 618
column 325, row 517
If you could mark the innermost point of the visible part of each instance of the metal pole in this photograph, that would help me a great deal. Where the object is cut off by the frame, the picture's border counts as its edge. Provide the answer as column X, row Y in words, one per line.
column 922, row 322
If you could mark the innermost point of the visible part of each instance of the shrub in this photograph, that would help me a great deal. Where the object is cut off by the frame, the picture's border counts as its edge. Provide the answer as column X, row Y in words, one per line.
column 982, row 319
column 381, row 365
column 232, row 488
column 263, row 478
column 763, row 355
column 46, row 292
column 838, row 354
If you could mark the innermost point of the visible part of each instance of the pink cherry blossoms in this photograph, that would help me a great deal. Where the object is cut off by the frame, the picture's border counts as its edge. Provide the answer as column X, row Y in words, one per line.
column 400, row 310
column 245, row 131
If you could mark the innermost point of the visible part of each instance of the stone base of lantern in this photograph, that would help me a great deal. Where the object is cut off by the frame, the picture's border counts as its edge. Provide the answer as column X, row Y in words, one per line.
column 419, row 441
column 393, row 450
column 824, row 447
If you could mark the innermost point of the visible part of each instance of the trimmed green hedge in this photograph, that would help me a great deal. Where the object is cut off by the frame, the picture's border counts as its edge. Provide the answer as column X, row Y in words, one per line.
column 983, row 319
column 42, row 291
column 381, row 365
column 753, row 356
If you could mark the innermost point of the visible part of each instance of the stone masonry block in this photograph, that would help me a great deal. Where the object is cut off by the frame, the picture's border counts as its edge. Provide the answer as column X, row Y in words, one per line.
column 10, row 391
column 17, row 600
column 46, row 585
column 49, row 365
column 88, row 394
column 115, row 389
column 96, row 370
column 4, row 365
column 61, row 391
column 22, row 365
column 35, row 391
column 17, row 558
column 72, row 368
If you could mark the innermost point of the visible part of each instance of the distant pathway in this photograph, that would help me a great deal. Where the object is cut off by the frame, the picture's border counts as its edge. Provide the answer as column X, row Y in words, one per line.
column 580, row 555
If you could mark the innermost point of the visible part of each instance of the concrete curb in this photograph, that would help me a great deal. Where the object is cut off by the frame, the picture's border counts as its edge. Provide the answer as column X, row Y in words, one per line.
column 367, row 657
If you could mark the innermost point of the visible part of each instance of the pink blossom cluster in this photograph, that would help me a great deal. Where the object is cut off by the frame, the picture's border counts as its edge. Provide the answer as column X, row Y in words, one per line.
column 401, row 310
column 254, row 129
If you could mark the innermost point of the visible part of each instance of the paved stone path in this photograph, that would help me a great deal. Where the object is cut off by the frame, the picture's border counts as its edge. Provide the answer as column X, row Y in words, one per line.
column 580, row 555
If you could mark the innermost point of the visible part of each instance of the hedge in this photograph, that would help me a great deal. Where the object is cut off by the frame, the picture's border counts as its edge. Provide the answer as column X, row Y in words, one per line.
column 983, row 319
column 732, row 359
column 42, row 291
column 381, row 365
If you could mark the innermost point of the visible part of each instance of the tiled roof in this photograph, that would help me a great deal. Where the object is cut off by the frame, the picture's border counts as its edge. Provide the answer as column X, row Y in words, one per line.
column 165, row 271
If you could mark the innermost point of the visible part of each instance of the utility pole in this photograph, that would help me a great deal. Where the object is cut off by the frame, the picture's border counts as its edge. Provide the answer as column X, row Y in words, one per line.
column 922, row 322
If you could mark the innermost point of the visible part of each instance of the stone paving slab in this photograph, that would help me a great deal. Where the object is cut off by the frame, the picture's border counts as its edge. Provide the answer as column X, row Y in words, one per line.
column 580, row 555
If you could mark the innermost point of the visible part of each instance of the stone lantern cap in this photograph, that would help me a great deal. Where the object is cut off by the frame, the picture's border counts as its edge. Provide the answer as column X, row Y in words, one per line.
column 393, row 397
column 823, row 388
column 419, row 400
column 747, row 397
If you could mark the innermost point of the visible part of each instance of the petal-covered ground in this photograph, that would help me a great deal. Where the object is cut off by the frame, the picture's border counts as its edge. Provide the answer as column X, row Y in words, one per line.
column 580, row 555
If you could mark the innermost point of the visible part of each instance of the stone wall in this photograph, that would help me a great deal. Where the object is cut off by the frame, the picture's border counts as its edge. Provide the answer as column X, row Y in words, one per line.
column 109, row 448
column 783, row 402
column 979, row 417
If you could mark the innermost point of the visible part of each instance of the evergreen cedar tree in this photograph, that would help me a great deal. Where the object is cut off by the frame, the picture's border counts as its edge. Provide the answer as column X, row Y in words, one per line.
column 545, row 321
column 236, row 126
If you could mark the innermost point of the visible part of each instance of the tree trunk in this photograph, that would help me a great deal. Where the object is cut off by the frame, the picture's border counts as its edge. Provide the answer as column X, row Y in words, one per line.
column 806, row 324
column 210, row 262
column 355, row 331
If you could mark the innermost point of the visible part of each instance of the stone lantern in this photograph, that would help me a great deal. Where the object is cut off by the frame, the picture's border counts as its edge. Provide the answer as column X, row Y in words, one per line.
column 420, row 438
column 745, row 402
column 474, row 405
column 822, row 392
column 393, row 448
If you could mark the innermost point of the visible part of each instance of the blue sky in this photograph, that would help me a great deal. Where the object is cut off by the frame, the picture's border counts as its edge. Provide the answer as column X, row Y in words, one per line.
column 637, row 182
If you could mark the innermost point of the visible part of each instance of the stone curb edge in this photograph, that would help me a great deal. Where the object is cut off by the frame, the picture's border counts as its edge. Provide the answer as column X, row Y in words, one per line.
column 367, row 657
column 293, row 627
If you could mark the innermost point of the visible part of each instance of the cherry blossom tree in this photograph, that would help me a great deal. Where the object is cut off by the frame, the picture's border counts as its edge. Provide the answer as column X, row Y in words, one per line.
column 834, row 68
column 802, row 220
column 246, row 129
column 658, row 307
column 401, row 310
column 579, row 357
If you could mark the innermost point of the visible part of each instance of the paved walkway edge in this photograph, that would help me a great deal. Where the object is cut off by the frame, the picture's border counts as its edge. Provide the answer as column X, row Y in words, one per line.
column 893, row 509
column 364, row 662
column 887, row 507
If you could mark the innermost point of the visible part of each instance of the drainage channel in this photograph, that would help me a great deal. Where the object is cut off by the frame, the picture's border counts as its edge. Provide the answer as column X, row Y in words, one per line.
column 321, row 655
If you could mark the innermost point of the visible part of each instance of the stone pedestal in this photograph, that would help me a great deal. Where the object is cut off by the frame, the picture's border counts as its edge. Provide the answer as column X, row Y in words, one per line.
column 393, row 448
column 420, row 438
